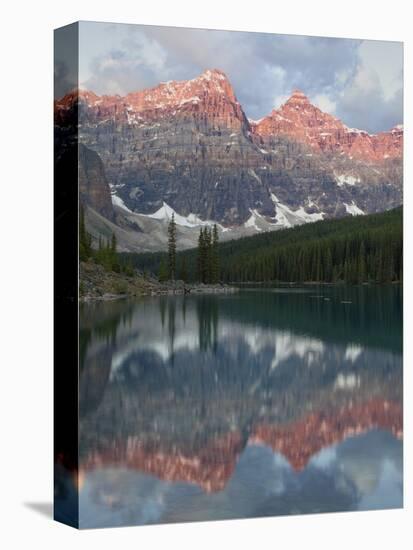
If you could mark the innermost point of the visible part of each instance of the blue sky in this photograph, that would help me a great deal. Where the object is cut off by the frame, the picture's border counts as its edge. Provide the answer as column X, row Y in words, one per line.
column 360, row 81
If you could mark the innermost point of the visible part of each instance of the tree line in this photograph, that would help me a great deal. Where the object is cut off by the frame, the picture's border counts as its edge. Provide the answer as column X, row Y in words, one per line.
column 351, row 250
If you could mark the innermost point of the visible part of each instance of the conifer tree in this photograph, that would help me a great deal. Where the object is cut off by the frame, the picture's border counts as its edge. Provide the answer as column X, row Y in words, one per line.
column 163, row 271
column 201, row 256
column 183, row 274
column 172, row 248
column 362, row 263
column 113, row 244
column 215, row 255
column 208, row 256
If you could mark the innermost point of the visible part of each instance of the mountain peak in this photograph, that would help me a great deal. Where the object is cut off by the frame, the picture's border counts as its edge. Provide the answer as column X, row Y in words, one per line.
column 297, row 97
column 213, row 74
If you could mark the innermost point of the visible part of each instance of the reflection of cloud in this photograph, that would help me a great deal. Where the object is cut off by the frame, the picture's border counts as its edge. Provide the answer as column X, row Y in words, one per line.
column 117, row 497
column 353, row 351
column 325, row 458
column 368, row 470
column 360, row 80
column 364, row 472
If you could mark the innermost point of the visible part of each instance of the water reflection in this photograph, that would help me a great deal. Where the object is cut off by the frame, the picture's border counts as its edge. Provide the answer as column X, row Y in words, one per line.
column 260, row 403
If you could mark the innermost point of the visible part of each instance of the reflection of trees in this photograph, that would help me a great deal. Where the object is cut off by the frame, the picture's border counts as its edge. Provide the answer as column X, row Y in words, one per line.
column 162, row 309
column 184, row 308
column 171, row 327
column 207, row 312
column 100, row 322
column 98, row 328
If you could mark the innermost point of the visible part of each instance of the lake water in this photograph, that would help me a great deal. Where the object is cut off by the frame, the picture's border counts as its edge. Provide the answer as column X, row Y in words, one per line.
column 266, row 402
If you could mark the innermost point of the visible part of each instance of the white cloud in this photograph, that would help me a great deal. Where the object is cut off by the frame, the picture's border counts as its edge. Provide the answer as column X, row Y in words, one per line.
column 373, row 98
column 325, row 103
column 384, row 63
column 280, row 99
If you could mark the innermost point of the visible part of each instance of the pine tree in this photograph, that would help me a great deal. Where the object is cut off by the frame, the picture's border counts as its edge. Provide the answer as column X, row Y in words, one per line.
column 115, row 266
column 183, row 274
column 214, row 255
column 172, row 248
column 201, row 256
column 362, row 263
column 163, row 271
column 208, row 255
column 328, row 266
column 113, row 243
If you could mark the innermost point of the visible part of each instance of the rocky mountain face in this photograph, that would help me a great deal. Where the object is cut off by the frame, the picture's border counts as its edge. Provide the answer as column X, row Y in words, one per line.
column 188, row 147
column 94, row 188
column 301, row 121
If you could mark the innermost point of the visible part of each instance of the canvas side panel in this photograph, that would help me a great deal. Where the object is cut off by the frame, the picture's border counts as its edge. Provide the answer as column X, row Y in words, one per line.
column 66, row 253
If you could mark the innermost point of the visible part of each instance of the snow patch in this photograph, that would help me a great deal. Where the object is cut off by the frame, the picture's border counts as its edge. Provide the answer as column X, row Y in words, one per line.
column 353, row 209
column 194, row 99
column 192, row 220
column 117, row 201
column 355, row 131
column 314, row 217
column 252, row 173
column 287, row 217
column 344, row 179
column 251, row 120
column 252, row 220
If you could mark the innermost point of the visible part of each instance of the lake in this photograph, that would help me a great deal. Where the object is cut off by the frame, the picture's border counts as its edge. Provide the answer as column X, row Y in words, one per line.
column 267, row 402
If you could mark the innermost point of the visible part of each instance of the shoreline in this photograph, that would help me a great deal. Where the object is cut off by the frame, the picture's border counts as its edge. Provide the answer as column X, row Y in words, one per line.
column 180, row 290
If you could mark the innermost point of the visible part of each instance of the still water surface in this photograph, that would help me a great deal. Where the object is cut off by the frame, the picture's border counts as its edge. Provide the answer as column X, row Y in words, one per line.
column 266, row 402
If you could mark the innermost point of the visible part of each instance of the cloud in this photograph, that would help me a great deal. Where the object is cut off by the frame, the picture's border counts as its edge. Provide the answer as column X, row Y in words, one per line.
column 359, row 81
column 325, row 103
column 373, row 99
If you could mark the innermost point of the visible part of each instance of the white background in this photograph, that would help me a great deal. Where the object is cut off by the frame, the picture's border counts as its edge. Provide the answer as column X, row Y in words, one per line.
column 26, row 280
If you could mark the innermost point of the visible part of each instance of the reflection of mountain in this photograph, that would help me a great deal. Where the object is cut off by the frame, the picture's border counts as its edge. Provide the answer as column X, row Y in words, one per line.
column 187, row 382
column 212, row 465
column 299, row 441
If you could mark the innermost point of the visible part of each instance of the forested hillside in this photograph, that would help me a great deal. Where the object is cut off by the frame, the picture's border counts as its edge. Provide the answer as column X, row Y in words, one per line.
column 352, row 249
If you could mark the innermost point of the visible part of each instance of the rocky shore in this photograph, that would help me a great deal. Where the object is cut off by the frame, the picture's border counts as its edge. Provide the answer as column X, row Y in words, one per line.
column 98, row 284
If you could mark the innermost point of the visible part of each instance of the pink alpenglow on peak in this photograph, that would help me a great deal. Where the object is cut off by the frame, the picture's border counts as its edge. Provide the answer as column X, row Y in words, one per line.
column 300, row 120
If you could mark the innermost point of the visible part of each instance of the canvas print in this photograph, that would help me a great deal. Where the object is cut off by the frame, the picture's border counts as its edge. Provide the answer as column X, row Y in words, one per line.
column 238, row 274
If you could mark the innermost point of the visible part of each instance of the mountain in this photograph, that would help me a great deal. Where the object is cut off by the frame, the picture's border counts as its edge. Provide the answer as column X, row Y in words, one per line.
column 212, row 465
column 325, row 134
column 94, row 189
column 188, row 147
